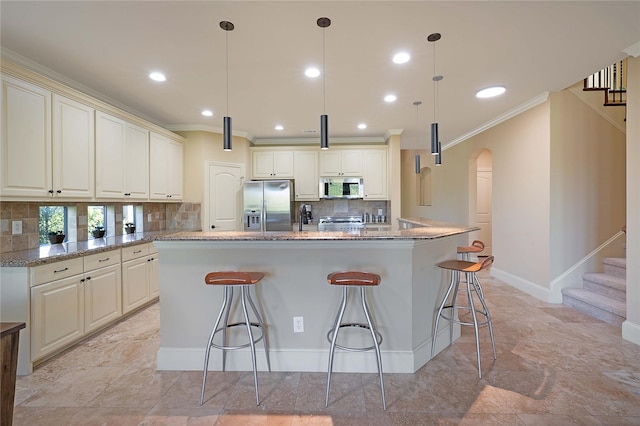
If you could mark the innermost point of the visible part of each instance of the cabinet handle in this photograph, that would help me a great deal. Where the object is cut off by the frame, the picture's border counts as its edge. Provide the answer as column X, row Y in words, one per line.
column 137, row 251
column 59, row 191
column 150, row 259
column 88, row 278
column 61, row 270
column 82, row 280
column 127, row 194
column 103, row 260
column 50, row 191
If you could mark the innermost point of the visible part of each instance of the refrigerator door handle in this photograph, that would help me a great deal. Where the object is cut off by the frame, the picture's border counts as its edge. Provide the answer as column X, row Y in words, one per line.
column 263, row 219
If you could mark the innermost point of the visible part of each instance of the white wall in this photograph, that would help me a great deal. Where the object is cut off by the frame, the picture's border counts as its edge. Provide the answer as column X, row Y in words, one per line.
column 631, row 327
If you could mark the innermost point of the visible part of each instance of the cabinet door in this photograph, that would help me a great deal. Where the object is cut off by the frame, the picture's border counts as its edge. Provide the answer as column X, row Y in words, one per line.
column 330, row 163
column 73, row 149
column 102, row 297
column 283, row 164
column 135, row 284
column 158, row 164
column 57, row 315
column 305, row 176
column 136, row 162
column 110, row 154
column 262, row 164
column 25, row 151
column 154, row 277
column 175, row 176
column 352, row 163
column 374, row 174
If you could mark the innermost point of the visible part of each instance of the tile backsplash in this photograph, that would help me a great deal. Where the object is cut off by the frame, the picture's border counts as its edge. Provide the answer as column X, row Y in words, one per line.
column 345, row 208
column 156, row 217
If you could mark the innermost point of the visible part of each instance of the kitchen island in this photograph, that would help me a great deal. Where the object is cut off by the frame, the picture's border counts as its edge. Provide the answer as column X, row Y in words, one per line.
column 296, row 265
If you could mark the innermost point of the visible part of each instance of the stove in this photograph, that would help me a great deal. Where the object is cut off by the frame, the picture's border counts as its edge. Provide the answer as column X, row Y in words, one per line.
column 340, row 223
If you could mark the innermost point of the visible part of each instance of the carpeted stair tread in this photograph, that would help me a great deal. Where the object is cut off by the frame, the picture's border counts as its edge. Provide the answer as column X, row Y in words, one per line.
column 608, row 304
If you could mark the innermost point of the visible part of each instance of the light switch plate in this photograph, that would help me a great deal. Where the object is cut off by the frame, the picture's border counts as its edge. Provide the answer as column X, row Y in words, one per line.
column 16, row 227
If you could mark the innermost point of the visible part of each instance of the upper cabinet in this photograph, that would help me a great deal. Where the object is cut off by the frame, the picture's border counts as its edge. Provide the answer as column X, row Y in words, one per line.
column 35, row 163
column 374, row 174
column 305, row 164
column 272, row 164
column 166, row 162
column 122, row 159
column 346, row 162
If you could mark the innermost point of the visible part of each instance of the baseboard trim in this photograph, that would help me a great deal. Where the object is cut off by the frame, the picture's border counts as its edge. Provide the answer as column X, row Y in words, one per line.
column 528, row 287
column 631, row 332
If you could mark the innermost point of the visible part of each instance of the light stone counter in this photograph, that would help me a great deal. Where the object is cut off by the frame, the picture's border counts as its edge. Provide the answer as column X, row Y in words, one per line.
column 296, row 265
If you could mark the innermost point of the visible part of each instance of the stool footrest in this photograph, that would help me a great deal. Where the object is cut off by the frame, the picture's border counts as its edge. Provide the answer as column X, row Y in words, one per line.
column 246, row 345
column 350, row 348
column 457, row 321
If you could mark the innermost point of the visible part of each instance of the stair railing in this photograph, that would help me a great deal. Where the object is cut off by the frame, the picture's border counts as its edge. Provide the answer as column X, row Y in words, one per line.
column 613, row 81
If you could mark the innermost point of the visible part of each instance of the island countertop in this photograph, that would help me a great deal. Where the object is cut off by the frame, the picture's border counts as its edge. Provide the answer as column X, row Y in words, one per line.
column 424, row 229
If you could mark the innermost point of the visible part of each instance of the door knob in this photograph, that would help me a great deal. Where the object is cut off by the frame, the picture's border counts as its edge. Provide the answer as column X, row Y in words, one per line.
column 213, row 226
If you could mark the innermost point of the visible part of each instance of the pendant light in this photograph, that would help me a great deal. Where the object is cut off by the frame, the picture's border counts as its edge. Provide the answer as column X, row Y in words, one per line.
column 227, row 132
column 439, row 155
column 432, row 38
column 324, row 118
column 417, row 104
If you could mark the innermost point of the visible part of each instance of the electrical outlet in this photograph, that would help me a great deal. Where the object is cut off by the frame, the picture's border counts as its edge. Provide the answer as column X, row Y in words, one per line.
column 149, row 217
column 298, row 324
column 16, row 227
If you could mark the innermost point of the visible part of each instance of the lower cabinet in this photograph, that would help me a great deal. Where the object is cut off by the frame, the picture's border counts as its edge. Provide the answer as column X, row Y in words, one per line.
column 139, row 276
column 73, row 298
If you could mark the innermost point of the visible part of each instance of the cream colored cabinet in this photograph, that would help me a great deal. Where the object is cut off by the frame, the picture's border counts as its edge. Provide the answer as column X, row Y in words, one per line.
column 305, row 175
column 374, row 174
column 102, row 289
column 111, row 133
column 73, row 149
column 166, row 168
column 341, row 163
column 122, row 159
column 25, row 154
column 272, row 164
column 139, row 268
column 136, row 161
column 154, row 277
column 57, row 306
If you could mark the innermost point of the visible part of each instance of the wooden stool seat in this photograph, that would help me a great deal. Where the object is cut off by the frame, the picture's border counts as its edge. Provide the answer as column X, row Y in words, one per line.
column 233, row 278
column 355, row 278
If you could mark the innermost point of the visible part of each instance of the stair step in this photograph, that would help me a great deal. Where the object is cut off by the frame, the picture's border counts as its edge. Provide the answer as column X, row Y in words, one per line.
column 596, row 305
column 615, row 266
column 606, row 284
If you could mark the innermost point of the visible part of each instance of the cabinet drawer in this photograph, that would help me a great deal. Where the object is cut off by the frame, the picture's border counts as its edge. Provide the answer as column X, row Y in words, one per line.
column 100, row 260
column 55, row 271
column 133, row 252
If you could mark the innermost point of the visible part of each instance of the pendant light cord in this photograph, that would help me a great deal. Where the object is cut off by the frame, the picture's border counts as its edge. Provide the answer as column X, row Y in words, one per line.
column 227, row 66
column 435, row 86
column 324, row 78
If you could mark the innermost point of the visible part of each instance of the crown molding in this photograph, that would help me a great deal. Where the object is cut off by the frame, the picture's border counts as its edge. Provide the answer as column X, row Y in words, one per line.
column 633, row 50
column 207, row 128
column 316, row 141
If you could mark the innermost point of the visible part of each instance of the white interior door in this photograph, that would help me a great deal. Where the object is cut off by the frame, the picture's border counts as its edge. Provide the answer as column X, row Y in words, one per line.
column 224, row 196
column 483, row 209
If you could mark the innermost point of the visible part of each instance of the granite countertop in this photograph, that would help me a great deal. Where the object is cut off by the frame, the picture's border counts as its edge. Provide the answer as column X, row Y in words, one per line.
column 64, row 251
column 426, row 230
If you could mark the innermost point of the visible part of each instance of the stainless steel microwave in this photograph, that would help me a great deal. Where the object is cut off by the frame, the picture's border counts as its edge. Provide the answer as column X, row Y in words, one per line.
column 341, row 187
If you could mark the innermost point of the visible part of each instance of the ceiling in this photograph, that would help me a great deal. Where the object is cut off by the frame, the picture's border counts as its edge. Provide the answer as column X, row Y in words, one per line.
column 108, row 49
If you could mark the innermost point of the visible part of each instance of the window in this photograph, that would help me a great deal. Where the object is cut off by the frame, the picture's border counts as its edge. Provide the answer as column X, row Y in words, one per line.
column 96, row 222
column 129, row 219
column 52, row 220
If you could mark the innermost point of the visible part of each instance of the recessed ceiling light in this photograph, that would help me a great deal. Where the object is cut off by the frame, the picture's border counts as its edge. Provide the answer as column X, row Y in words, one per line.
column 207, row 113
column 490, row 92
column 312, row 72
column 401, row 58
column 157, row 76
column 390, row 98
column 362, row 126
column 279, row 127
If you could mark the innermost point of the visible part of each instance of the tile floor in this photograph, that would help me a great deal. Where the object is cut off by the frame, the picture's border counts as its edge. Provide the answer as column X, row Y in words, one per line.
column 555, row 366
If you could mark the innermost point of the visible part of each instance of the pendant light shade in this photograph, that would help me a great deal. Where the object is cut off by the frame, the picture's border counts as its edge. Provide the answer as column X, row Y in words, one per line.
column 439, row 155
column 324, row 131
column 324, row 118
column 434, row 138
column 226, row 121
column 417, row 164
column 227, row 133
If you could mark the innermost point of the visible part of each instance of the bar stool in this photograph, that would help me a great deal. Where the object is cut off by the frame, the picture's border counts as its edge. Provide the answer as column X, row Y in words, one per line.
column 473, row 286
column 231, row 279
column 464, row 252
column 359, row 280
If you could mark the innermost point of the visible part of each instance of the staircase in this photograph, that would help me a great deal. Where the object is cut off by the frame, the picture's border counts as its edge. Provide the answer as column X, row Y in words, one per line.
column 612, row 81
column 604, row 294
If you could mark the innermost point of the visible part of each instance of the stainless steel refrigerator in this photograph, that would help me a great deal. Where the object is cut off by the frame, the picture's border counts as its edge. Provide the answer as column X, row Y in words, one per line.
column 268, row 205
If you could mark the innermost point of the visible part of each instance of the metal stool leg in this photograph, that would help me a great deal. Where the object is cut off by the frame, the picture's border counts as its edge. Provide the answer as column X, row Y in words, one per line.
column 336, row 328
column 444, row 302
column 264, row 330
column 469, row 277
column 476, row 283
column 372, row 328
column 225, row 303
column 228, row 290
column 243, row 293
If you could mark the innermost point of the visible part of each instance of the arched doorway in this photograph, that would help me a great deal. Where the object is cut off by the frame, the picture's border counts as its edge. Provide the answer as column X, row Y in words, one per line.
column 480, row 198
